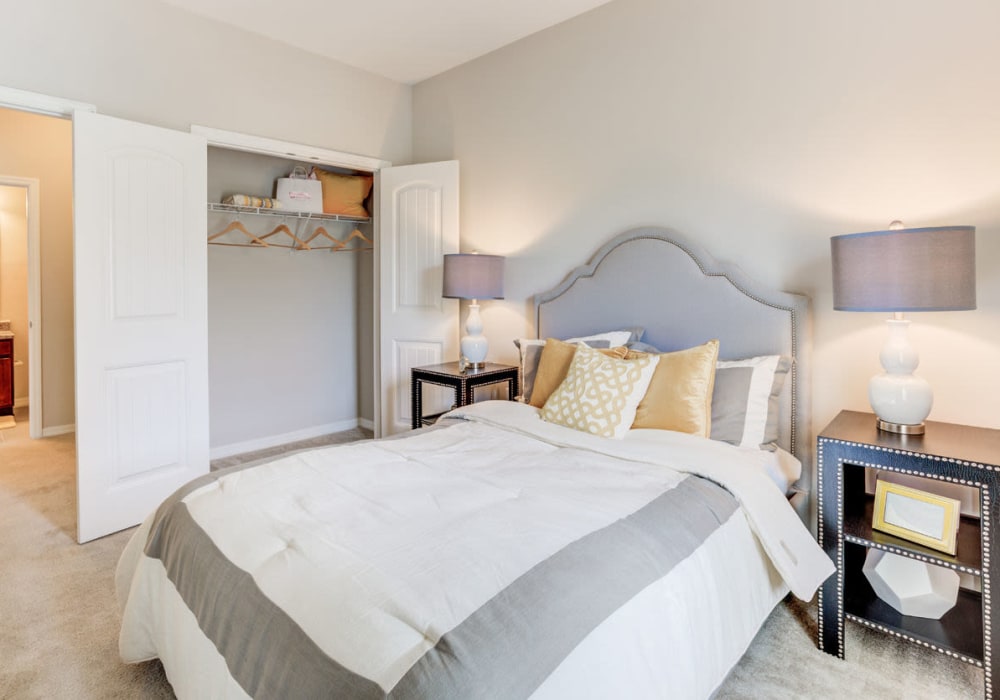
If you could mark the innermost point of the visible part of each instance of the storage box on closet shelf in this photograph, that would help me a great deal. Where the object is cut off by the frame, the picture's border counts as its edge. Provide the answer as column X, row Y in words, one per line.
column 299, row 191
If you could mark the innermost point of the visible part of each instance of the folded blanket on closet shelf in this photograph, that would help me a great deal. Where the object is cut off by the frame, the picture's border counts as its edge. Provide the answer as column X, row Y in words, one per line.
column 247, row 200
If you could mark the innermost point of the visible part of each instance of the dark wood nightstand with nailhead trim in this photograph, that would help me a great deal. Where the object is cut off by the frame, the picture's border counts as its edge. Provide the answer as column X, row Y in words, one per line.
column 464, row 382
column 958, row 454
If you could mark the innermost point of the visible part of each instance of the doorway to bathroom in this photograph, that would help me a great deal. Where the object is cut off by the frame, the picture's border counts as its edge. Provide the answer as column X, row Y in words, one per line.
column 20, row 328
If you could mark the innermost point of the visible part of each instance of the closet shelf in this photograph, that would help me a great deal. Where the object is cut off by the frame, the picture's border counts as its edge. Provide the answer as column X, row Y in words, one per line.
column 284, row 213
column 236, row 234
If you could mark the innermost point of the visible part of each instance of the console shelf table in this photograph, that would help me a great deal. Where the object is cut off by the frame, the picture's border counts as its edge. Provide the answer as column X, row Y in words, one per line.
column 958, row 454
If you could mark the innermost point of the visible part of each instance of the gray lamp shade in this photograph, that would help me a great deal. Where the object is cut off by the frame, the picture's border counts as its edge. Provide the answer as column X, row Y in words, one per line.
column 473, row 276
column 917, row 269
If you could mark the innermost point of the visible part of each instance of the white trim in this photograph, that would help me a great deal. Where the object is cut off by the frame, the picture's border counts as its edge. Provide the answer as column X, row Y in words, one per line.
column 38, row 103
column 263, row 443
column 287, row 149
column 32, row 213
column 54, row 430
column 367, row 424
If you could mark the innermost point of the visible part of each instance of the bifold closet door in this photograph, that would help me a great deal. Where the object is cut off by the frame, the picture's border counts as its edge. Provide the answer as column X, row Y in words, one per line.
column 140, row 266
column 417, row 226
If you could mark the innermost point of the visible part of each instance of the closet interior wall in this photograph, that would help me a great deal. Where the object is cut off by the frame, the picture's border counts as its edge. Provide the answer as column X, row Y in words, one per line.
column 289, row 332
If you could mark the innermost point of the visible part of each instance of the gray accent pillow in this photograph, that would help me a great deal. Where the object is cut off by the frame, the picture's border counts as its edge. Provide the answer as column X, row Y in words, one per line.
column 530, row 356
column 636, row 335
column 745, row 401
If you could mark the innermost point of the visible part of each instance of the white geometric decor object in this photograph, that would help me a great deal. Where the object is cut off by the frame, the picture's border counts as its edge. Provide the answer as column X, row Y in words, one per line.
column 912, row 587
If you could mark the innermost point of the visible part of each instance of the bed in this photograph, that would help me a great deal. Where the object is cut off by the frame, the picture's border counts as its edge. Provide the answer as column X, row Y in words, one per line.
column 498, row 554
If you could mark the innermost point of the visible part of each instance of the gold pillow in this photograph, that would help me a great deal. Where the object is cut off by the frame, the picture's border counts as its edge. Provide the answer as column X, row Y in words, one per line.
column 600, row 393
column 554, row 364
column 679, row 397
column 344, row 194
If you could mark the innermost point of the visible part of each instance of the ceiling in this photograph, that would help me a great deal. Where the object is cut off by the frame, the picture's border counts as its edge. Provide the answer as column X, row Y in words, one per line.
column 404, row 40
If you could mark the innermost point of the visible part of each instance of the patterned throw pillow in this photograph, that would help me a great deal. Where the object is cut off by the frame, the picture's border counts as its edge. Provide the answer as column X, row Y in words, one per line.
column 600, row 394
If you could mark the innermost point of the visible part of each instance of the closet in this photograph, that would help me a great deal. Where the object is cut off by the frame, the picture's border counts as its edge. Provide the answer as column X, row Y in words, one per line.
column 194, row 348
column 290, row 295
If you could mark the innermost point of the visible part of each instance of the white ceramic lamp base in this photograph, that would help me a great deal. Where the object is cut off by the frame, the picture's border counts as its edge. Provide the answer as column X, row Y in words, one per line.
column 912, row 587
column 900, row 400
column 474, row 345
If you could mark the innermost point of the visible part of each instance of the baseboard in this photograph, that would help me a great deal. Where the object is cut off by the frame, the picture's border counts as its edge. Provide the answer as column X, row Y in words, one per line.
column 21, row 402
column 54, row 430
column 237, row 448
column 367, row 424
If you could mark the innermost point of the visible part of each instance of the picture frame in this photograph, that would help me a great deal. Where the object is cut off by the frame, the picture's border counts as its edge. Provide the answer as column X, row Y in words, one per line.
column 918, row 516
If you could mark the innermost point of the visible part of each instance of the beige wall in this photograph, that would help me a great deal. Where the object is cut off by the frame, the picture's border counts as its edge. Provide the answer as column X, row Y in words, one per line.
column 14, row 280
column 41, row 147
column 760, row 129
column 150, row 62
column 153, row 63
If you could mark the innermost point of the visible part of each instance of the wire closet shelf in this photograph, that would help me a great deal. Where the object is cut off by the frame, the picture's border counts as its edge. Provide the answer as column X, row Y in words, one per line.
column 284, row 237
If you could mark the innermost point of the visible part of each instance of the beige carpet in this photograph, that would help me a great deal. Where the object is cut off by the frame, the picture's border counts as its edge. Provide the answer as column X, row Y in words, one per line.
column 59, row 619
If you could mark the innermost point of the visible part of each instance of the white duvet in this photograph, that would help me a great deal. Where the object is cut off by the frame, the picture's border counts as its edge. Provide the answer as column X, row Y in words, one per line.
column 377, row 549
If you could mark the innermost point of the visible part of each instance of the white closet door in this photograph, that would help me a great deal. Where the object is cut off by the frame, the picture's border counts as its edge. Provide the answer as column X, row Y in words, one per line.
column 418, row 225
column 141, row 318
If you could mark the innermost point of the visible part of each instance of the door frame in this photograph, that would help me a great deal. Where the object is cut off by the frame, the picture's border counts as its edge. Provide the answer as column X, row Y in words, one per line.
column 36, row 102
column 48, row 105
column 32, row 198
column 288, row 150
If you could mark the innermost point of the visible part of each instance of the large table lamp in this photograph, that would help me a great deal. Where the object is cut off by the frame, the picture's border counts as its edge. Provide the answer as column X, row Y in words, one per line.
column 473, row 276
column 900, row 270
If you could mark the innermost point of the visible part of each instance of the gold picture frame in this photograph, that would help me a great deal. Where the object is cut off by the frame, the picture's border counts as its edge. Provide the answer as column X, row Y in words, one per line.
column 917, row 516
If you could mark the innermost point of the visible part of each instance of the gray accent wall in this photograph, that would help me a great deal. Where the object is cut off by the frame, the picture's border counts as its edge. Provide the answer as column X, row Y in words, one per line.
column 285, row 330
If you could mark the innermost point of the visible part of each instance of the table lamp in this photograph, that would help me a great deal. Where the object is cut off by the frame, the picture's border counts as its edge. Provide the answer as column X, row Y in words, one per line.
column 899, row 270
column 473, row 276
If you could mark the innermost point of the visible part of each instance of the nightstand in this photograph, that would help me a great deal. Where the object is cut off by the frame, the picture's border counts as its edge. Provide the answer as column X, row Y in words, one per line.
column 849, row 447
column 464, row 382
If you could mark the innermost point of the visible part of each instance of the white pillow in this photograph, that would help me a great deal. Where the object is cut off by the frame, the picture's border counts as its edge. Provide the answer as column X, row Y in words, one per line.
column 745, row 401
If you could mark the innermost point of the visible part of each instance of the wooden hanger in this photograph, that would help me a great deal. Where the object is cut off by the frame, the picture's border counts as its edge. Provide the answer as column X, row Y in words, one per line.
column 237, row 226
column 337, row 244
column 297, row 243
column 356, row 233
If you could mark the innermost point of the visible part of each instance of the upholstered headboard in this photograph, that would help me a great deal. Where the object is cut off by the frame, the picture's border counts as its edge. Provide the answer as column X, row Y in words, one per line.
column 655, row 278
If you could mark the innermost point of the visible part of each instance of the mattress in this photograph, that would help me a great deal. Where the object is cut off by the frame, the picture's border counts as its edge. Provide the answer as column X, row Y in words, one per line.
column 498, row 557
